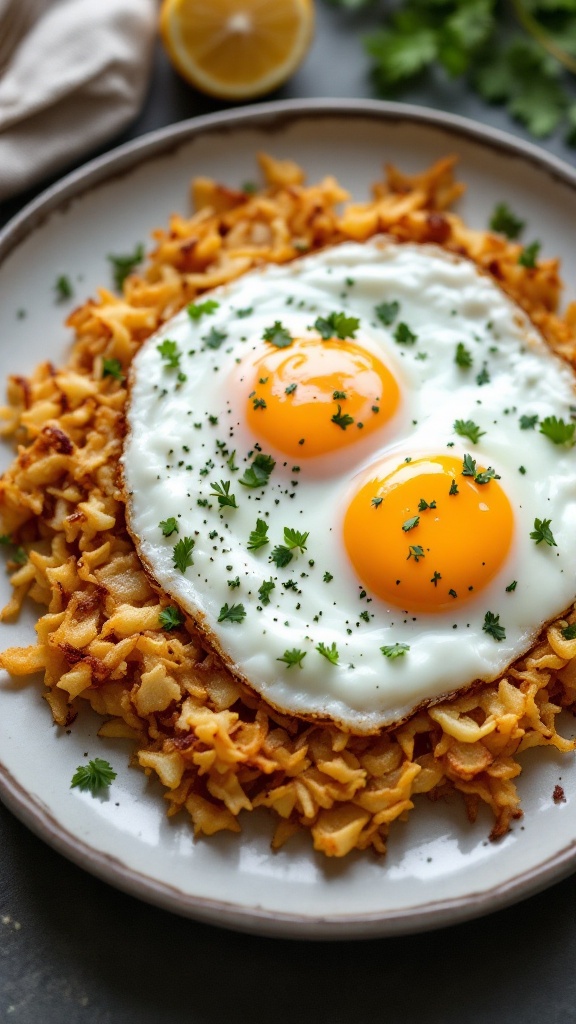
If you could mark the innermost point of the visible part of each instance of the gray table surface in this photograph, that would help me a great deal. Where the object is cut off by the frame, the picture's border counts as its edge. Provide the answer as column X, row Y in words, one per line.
column 74, row 950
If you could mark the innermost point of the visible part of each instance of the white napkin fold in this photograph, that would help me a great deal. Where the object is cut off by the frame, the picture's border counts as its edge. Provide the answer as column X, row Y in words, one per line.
column 72, row 74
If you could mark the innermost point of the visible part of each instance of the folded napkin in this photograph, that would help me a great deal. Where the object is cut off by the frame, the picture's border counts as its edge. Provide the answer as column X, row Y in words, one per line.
column 72, row 74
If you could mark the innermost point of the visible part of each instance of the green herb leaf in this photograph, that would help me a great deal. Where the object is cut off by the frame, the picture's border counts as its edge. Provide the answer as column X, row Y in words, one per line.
column 569, row 632
column 265, row 590
column 170, row 617
column 529, row 255
column 170, row 353
column 63, row 288
column 468, row 466
column 404, row 336
column 281, row 556
column 258, row 473
column 542, row 532
column 505, row 222
column 387, row 312
column 342, row 420
column 293, row 657
column 124, row 265
column 215, row 338
column 232, row 613
column 416, row 552
column 376, row 502
column 330, row 653
column 294, row 539
column 486, row 476
column 112, row 368
column 511, row 586
column 493, row 628
column 337, row 325
column 463, row 357
column 393, row 651
column 423, row 505
column 278, row 335
column 466, row 428
column 258, row 537
column 94, row 776
column 453, row 488
column 327, row 577
column 558, row 431
column 197, row 309
column 483, row 377
column 222, row 492
column 410, row 523
column 168, row 526
column 182, row 554
column 528, row 422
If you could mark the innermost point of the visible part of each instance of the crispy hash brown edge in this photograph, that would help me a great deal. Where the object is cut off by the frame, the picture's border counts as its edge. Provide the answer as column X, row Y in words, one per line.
column 107, row 637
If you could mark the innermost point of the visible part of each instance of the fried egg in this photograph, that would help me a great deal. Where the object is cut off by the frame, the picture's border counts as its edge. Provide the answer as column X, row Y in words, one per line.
column 356, row 472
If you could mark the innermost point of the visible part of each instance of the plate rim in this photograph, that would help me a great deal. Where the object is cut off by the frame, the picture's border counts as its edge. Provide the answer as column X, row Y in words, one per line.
column 271, row 116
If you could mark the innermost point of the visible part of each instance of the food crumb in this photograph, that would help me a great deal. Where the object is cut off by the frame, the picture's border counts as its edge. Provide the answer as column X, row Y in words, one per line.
column 558, row 795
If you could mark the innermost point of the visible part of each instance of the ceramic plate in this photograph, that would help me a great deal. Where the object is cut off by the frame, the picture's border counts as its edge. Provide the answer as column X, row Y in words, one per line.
column 439, row 868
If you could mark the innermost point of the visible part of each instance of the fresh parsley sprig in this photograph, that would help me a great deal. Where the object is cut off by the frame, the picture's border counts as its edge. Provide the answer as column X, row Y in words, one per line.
column 197, row 309
column 222, row 492
column 337, row 325
column 258, row 473
column 259, row 536
column 558, row 431
column 493, row 628
column 94, row 776
column 469, row 429
column 170, row 617
column 394, row 651
column 330, row 653
column 124, row 265
column 293, row 657
column 542, row 532
column 278, row 335
column 182, row 554
column 232, row 613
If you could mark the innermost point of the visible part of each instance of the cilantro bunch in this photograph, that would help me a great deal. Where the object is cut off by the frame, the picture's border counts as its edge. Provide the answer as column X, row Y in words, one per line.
column 515, row 54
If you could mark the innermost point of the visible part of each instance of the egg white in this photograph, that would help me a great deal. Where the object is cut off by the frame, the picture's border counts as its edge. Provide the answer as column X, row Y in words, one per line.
column 181, row 435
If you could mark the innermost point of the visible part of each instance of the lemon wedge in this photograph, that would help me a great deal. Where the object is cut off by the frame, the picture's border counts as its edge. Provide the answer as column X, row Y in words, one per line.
column 236, row 49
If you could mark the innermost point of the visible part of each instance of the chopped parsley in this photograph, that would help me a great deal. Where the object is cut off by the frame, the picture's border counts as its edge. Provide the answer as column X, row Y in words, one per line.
column 94, row 776
column 327, row 577
column 170, row 617
column 423, row 505
column 387, row 312
column 259, row 403
column 124, row 265
column 63, row 288
column 486, row 476
column 528, row 422
column 233, row 584
column 340, row 420
column 493, row 628
column 215, row 338
column 293, row 657
column 339, row 395
column 468, row 466
column 290, row 389
column 483, row 377
column 170, row 353
column 168, row 526
column 505, row 222
column 258, row 473
column 112, row 368
column 242, row 313
column 542, row 532
column 416, row 552
column 182, row 554
column 222, row 492
column 259, row 536
column 453, row 488
column 469, row 429
column 337, row 325
column 295, row 539
column 511, row 586
column 569, row 632
column 330, row 653
column 404, row 336
column 281, row 556
column 265, row 590
column 197, row 309
column 232, row 613
column 376, row 502
column 463, row 357
column 409, row 524
column 393, row 651
column 558, row 431
column 437, row 576
column 529, row 255
column 278, row 335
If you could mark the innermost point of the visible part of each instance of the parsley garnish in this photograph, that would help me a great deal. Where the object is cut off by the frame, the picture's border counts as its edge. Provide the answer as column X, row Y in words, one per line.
column 337, row 325
column 542, row 532
column 197, row 309
column 453, row 488
column 569, row 632
column 330, row 653
column 466, row 428
column 393, row 651
column 409, row 524
column 168, row 526
column 95, row 775
column 259, row 403
column 416, row 552
column 423, row 505
column 339, row 395
column 170, row 617
column 468, row 466
column 257, row 474
column 463, row 357
column 387, row 312
column 222, row 492
column 63, row 288
column 281, row 556
column 505, row 222
column 376, row 502
column 290, row 389
column 214, row 338
column 404, row 336
column 170, row 353
column 295, row 539
column 483, row 377
column 234, row 613
column 265, row 590
column 112, row 368
column 558, row 431
column 258, row 537
column 182, row 554
column 18, row 555
column 327, row 577
column 278, row 335
column 486, row 476
column 492, row 626
column 528, row 422
column 529, row 255
column 242, row 313
column 511, row 586
column 293, row 657
column 340, row 420
column 124, row 265
column 437, row 576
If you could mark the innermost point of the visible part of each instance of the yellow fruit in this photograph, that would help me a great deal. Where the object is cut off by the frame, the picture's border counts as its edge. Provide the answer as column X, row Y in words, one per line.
column 236, row 49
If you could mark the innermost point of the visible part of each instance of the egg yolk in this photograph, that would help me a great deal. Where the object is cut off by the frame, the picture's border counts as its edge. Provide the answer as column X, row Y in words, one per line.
column 316, row 396
column 424, row 535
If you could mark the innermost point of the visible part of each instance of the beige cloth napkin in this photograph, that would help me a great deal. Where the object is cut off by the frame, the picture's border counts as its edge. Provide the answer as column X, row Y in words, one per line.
column 72, row 74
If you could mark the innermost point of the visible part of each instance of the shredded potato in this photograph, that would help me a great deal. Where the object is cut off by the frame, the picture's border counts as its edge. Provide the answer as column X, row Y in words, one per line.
column 217, row 748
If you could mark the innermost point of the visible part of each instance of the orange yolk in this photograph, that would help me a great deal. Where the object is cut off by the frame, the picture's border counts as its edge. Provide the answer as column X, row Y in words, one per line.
column 427, row 558
column 316, row 397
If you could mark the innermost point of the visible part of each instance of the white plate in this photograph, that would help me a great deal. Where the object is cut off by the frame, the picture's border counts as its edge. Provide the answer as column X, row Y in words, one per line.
column 439, row 868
